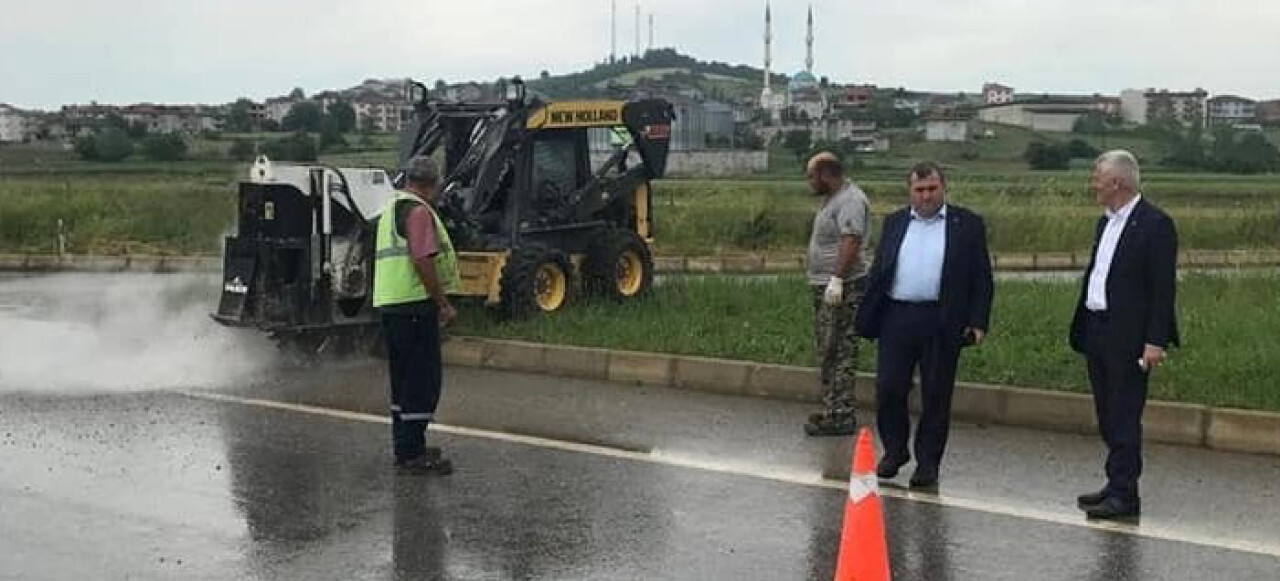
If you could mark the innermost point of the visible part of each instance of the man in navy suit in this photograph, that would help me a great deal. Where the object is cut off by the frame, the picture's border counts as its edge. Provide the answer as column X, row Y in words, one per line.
column 1123, row 323
column 928, row 294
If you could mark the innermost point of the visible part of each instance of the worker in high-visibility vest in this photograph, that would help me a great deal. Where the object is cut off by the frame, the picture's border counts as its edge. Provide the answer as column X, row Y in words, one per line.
column 416, row 268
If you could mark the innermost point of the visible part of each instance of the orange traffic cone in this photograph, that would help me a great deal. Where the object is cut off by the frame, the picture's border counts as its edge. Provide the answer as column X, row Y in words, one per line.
column 864, row 554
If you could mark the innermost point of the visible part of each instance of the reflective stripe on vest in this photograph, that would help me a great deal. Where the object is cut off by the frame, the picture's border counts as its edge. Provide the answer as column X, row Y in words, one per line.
column 395, row 279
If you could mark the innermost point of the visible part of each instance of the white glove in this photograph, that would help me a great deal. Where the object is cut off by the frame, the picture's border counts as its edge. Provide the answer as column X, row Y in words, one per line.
column 835, row 292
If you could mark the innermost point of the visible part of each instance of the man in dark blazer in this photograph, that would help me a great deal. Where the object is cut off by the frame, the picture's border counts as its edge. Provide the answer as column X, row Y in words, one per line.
column 928, row 294
column 1123, row 323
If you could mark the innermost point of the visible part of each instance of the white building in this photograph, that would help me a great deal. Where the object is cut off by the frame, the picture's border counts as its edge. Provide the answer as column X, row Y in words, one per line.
column 996, row 94
column 1133, row 106
column 381, row 114
column 946, row 129
column 915, row 106
column 14, row 124
column 1143, row 106
column 1051, row 116
column 1232, row 110
column 277, row 108
column 171, row 118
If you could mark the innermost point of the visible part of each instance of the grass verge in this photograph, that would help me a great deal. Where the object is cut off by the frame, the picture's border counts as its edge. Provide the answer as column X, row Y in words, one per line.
column 184, row 207
column 1231, row 353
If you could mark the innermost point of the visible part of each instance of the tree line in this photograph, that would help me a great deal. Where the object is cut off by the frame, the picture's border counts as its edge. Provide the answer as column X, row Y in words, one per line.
column 115, row 139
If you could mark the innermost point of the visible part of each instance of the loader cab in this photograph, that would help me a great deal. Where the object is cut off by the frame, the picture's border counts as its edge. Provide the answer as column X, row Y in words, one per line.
column 536, row 220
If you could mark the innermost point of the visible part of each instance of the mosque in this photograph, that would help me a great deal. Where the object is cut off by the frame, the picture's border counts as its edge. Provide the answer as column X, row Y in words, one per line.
column 804, row 95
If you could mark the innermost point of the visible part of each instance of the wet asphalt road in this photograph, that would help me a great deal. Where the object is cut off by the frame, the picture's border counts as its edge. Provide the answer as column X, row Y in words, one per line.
column 630, row 483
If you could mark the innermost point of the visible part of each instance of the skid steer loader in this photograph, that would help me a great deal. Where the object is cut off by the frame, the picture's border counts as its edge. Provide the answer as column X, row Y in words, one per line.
column 536, row 225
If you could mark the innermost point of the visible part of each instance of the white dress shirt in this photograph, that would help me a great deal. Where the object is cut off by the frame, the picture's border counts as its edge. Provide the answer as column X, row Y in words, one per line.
column 1096, row 299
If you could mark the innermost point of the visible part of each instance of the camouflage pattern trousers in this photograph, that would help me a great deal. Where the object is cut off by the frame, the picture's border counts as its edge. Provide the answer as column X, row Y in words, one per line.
column 836, row 347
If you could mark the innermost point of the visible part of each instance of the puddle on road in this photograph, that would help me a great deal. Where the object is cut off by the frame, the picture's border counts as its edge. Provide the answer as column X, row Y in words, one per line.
column 94, row 333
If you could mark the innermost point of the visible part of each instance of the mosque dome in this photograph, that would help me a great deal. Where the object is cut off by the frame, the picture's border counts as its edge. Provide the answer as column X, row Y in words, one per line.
column 801, row 81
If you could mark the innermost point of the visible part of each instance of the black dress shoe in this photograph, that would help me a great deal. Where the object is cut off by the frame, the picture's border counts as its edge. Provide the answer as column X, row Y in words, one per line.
column 924, row 477
column 1114, row 508
column 1091, row 499
column 889, row 466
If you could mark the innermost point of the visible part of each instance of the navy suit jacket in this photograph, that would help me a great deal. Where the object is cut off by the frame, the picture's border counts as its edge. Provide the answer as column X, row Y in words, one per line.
column 1140, row 285
column 967, row 289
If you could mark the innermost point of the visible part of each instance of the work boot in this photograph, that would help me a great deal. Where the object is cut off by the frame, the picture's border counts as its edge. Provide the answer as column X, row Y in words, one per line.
column 827, row 424
column 430, row 452
column 425, row 465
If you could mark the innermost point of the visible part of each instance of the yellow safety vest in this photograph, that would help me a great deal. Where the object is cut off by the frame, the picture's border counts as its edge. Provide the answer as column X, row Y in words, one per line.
column 395, row 280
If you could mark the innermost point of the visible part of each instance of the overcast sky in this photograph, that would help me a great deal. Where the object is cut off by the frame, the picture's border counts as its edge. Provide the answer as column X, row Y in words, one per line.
column 54, row 52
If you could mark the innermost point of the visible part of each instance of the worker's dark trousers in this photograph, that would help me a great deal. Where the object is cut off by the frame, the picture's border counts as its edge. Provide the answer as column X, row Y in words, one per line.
column 413, row 352
column 913, row 335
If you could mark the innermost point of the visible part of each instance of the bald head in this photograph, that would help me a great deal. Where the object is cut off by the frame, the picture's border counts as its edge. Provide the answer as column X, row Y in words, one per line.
column 822, row 157
column 825, row 173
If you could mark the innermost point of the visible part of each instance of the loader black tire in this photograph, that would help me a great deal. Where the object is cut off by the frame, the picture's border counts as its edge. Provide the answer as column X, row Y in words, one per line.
column 536, row 279
column 619, row 267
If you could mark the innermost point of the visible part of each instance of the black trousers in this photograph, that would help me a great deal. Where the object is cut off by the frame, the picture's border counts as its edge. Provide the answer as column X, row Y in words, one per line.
column 913, row 336
column 1119, row 396
column 413, row 353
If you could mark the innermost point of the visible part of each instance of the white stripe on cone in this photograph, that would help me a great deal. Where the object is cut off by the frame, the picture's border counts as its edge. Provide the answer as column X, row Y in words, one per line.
column 862, row 486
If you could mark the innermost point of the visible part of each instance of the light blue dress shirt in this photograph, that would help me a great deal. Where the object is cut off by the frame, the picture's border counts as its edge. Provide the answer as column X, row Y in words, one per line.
column 918, row 277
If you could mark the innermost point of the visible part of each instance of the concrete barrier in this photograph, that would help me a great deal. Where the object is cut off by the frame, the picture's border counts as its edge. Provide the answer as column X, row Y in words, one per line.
column 190, row 264
column 776, row 265
column 1244, row 431
column 746, row 264
column 1176, row 423
column 139, row 263
column 1054, row 410
column 13, row 262
column 514, row 355
column 1053, row 261
column 704, row 265
column 464, row 352
column 43, row 262
column 1014, row 261
column 665, row 264
column 783, row 382
column 711, row 375
column 1164, row 422
column 577, row 362
column 640, row 368
column 669, row 264
column 94, row 263
column 980, row 403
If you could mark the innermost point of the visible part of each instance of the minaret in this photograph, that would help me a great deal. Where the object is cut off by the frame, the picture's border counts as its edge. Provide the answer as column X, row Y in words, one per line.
column 767, row 101
column 638, row 30
column 768, row 49
column 808, row 41
column 650, row 31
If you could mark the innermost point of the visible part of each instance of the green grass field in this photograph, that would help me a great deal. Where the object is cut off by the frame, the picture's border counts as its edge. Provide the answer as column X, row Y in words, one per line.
column 185, row 206
column 1030, row 212
column 1230, row 354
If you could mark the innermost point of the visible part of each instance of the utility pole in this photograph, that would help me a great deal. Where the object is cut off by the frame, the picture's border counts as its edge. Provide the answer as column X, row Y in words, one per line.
column 637, row 30
column 613, row 31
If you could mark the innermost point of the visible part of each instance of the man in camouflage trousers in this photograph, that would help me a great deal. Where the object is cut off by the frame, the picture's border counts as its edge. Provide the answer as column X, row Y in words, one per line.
column 837, row 265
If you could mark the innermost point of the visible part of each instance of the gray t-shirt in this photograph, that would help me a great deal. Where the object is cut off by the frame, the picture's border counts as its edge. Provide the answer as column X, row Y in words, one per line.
column 848, row 212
